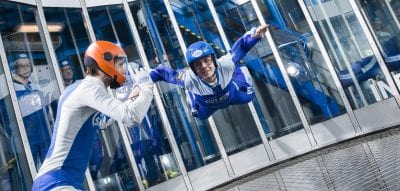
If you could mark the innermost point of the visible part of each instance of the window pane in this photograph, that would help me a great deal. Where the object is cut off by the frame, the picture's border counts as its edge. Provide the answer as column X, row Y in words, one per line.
column 69, row 43
column 194, row 138
column 14, row 170
column 235, row 123
column 353, row 59
column 148, row 141
column 303, row 61
column 274, row 100
column 33, row 75
column 384, row 22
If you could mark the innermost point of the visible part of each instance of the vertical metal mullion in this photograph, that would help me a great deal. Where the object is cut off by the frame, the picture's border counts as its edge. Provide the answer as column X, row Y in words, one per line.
column 87, row 22
column 92, row 38
column 346, row 23
column 219, row 25
column 391, row 11
column 210, row 120
column 251, row 106
column 49, row 45
column 130, row 155
column 375, row 50
column 329, row 63
column 56, row 69
column 17, row 111
column 175, row 25
column 112, row 24
column 157, row 98
column 286, row 77
column 74, row 40
column 343, row 54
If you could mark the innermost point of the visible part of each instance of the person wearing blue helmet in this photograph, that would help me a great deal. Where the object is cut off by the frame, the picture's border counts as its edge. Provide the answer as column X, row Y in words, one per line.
column 33, row 105
column 212, row 83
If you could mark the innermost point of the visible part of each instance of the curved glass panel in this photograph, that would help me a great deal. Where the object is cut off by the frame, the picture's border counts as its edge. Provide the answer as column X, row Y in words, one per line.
column 194, row 138
column 33, row 75
column 70, row 42
column 383, row 18
column 235, row 124
column 148, row 142
column 353, row 59
column 274, row 100
column 304, row 64
column 14, row 170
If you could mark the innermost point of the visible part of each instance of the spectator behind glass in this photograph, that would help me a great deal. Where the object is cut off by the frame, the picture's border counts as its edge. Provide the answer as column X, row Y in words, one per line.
column 384, row 37
column 31, row 103
column 66, row 72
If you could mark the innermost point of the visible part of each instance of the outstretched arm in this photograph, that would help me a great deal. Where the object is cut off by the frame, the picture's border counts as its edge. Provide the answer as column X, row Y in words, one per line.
column 167, row 74
column 246, row 42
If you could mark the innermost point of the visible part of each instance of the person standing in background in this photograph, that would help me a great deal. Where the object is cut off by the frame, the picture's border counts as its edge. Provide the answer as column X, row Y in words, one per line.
column 32, row 103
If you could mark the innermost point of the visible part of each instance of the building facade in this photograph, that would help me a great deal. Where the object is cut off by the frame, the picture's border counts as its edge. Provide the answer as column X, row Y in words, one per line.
column 325, row 72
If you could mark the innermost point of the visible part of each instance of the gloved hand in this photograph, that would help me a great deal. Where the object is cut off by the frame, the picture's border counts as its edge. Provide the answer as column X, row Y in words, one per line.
column 142, row 78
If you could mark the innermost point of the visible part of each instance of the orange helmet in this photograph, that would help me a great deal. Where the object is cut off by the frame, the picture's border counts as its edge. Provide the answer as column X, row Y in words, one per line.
column 104, row 53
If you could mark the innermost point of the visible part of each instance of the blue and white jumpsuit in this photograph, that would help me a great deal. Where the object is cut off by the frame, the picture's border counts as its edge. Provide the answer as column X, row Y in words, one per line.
column 72, row 141
column 32, row 104
column 234, row 83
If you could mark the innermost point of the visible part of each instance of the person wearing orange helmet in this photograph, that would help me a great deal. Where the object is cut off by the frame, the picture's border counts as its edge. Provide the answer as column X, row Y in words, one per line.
column 74, row 131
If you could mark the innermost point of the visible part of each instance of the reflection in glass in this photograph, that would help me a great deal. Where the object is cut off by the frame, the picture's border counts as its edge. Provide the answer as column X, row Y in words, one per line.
column 235, row 124
column 14, row 170
column 309, row 76
column 273, row 100
column 33, row 76
column 148, row 141
column 69, row 43
column 383, row 18
column 194, row 139
column 353, row 60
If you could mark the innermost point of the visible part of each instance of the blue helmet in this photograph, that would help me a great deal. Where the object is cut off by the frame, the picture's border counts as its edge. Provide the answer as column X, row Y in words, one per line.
column 197, row 50
column 17, row 60
column 65, row 62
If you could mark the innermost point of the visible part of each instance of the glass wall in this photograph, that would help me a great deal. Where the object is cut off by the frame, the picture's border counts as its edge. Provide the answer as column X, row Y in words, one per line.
column 110, row 166
column 235, row 124
column 383, row 19
column 14, row 170
column 33, row 75
column 196, row 144
column 70, row 42
column 274, row 99
column 353, row 58
column 308, row 72
column 148, row 142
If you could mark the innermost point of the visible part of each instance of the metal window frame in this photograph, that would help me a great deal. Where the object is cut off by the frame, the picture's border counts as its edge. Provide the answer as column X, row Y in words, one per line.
column 310, row 137
column 17, row 111
column 329, row 63
column 210, row 120
column 251, row 106
column 379, row 57
column 157, row 97
column 49, row 49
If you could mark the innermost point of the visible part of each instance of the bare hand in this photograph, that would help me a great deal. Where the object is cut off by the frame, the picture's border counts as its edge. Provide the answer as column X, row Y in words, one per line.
column 260, row 31
column 134, row 93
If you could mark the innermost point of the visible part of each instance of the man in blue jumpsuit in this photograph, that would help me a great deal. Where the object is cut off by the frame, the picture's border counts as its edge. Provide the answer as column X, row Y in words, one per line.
column 73, row 136
column 212, row 83
column 99, row 120
column 32, row 103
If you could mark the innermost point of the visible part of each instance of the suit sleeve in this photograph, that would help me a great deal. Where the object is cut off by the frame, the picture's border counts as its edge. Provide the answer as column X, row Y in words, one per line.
column 243, row 45
column 129, row 112
column 167, row 74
